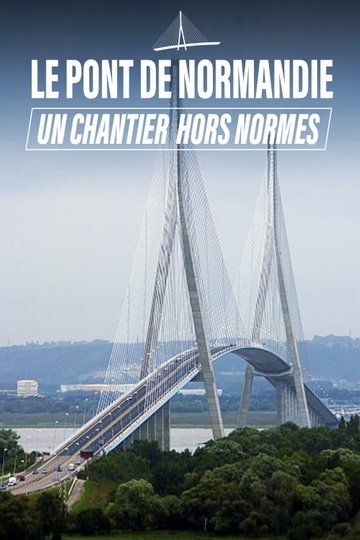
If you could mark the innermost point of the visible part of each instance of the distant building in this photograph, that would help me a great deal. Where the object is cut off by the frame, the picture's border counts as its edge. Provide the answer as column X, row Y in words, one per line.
column 197, row 392
column 122, row 388
column 4, row 392
column 27, row 388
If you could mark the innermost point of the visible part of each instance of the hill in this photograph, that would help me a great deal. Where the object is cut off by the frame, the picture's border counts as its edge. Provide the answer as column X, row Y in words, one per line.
column 331, row 358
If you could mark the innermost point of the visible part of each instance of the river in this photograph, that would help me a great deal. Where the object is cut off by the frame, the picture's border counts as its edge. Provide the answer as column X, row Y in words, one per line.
column 46, row 439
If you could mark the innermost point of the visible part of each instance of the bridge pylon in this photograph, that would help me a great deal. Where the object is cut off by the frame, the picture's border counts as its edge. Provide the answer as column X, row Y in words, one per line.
column 179, row 307
column 179, row 218
column 276, row 298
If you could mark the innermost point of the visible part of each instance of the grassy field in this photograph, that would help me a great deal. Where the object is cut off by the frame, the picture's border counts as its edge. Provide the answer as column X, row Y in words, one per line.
column 95, row 494
column 166, row 535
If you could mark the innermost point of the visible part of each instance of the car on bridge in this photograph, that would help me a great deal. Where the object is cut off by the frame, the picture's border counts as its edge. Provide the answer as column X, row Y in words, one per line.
column 3, row 487
column 86, row 454
column 21, row 478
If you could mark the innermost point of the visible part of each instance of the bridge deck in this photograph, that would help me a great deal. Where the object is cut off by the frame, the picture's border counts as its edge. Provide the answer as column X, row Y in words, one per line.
column 114, row 424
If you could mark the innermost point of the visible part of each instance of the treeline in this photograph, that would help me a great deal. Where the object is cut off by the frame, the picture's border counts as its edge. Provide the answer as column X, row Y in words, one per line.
column 87, row 402
column 65, row 403
column 32, row 517
column 299, row 483
column 290, row 482
column 337, row 357
column 260, row 401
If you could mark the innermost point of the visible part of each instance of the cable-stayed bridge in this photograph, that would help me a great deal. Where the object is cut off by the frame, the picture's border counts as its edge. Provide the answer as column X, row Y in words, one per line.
column 181, row 34
column 181, row 313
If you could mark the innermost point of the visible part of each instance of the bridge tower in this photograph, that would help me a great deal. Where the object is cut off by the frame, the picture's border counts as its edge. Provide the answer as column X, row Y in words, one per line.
column 178, row 215
column 273, row 258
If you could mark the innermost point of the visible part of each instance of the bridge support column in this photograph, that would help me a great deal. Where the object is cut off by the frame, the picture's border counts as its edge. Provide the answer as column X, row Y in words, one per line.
column 245, row 398
column 281, row 403
column 162, row 427
column 156, row 428
column 287, row 405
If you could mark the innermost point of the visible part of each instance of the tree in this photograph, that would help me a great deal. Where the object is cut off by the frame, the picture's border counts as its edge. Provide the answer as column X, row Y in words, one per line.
column 52, row 514
column 135, row 507
column 328, row 497
column 170, row 470
column 170, row 517
column 262, row 468
column 92, row 522
column 217, row 453
column 9, row 447
column 120, row 467
column 216, row 501
column 349, row 462
column 253, row 525
column 281, row 492
column 146, row 449
column 17, row 519
column 342, row 424
column 305, row 526
column 248, row 438
column 353, row 425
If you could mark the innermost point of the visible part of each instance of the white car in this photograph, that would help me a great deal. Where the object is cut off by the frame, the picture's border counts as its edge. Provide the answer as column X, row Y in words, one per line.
column 12, row 481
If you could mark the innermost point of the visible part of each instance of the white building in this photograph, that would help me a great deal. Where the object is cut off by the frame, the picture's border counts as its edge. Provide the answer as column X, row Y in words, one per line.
column 197, row 392
column 121, row 388
column 27, row 388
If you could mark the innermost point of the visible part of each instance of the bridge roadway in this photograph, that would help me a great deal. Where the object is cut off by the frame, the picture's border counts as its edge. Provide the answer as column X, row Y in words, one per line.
column 114, row 424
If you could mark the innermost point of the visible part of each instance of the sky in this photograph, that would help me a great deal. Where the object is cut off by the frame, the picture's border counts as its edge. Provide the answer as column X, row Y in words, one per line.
column 70, row 221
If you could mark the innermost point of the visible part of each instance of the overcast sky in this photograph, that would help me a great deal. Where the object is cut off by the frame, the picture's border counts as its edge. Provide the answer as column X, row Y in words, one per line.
column 70, row 221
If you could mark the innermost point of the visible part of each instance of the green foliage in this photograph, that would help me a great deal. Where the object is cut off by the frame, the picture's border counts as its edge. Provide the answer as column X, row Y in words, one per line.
column 169, row 472
column 303, row 483
column 170, row 516
column 17, row 519
column 135, row 507
column 52, row 514
column 353, row 425
column 148, row 450
column 216, row 453
column 340, row 530
column 328, row 496
column 120, row 467
column 32, row 518
column 216, row 501
column 95, row 493
column 285, row 479
column 92, row 522
column 305, row 526
column 8, row 445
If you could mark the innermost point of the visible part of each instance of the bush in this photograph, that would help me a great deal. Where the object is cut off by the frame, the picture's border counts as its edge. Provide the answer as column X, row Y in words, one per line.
column 92, row 522
column 136, row 507
column 341, row 529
